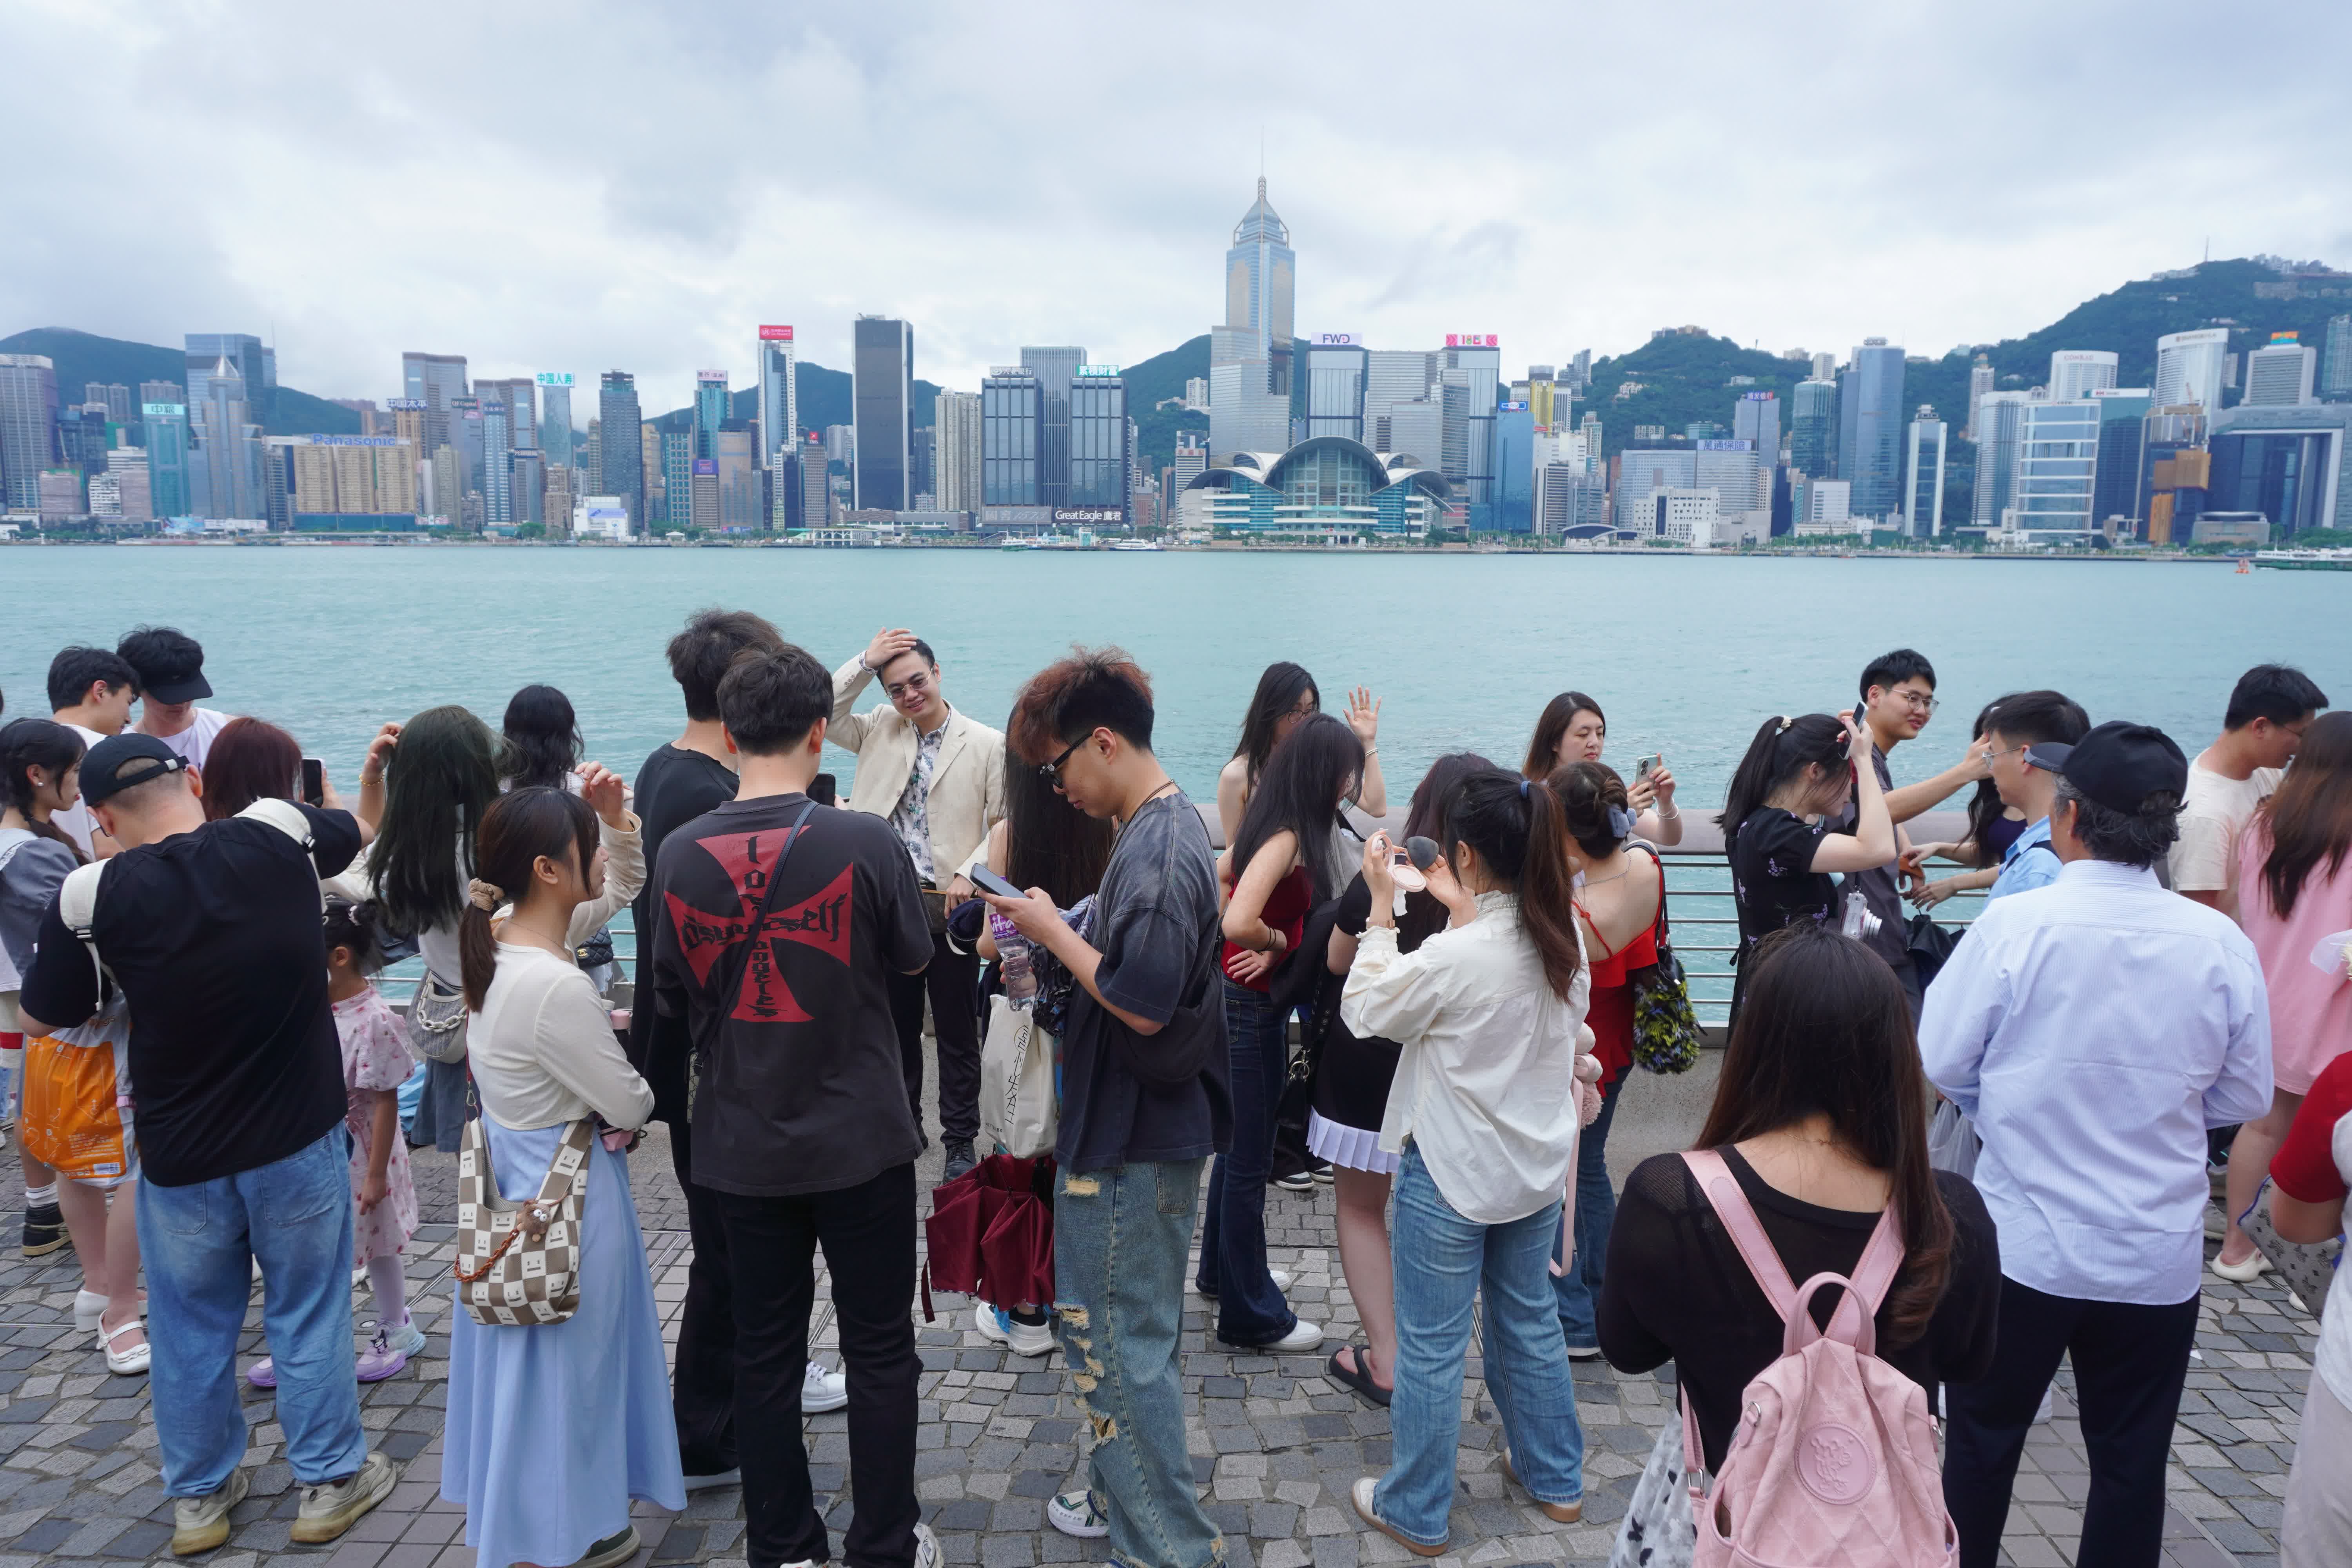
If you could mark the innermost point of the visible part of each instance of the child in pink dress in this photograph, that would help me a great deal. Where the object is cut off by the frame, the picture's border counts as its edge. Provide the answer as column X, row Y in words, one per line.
column 375, row 1062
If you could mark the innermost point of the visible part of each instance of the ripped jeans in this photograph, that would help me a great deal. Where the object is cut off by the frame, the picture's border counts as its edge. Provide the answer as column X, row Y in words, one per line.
column 1120, row 1238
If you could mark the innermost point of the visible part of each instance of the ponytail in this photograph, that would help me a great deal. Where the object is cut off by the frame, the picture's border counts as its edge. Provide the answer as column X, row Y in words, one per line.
column 519, row 828
column 1521, row 836
column 29, row 743
column 1784, row 747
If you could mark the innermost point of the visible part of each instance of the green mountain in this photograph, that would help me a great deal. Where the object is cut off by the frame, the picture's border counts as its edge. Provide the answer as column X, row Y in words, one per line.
column 84, row 357
column 1160, row 376
column 824, row 398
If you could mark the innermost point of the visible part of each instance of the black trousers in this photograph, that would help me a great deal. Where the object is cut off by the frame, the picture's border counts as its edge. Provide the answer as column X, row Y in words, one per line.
column 952, row 983
column 867, row 1232
column 702, row 1385
column 2130, row 1362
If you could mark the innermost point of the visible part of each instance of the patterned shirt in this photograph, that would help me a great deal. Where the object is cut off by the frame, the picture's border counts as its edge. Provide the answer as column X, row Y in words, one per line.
column 912, row 819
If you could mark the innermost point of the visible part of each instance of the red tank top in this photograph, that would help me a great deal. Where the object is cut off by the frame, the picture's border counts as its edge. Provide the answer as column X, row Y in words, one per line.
column 1286, row 909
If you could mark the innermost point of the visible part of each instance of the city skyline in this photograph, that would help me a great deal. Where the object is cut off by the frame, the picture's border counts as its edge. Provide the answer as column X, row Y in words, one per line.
column 658, row 242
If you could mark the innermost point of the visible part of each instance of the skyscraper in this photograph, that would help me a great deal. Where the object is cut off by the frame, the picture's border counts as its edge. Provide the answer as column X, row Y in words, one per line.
column 1056, row 369
column 2075, row 374
column 2282, row 374
column 114, row 396
column 710, row 411
column 677, row 478
column 2001, row 423
column 1261, row 283
column 1099, row 479
column 1812, row 429
column 435, row 380
column 498, row 468
column 1870, row 429
column 1825, row 367
column 226, row 466
column 1756, row 417
column 2188, row 368
column 2057, row 468
column 555, row 423
column 956, row 450
column 1514, row 487
column 166, row 438
column 1980, row 383
column 778, row 412
column 1923, row 475
column 2336, row 359
column 1334, row 388
column 738, row 476
column 623, row 471
column 257, row 366
column 2122, row 415
column 1469, row 373
column 1011, row 412
column 882, row 370
column 29, row 426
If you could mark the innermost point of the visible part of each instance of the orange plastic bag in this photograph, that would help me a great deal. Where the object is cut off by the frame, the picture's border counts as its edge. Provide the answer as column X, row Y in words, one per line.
column 74, row 1114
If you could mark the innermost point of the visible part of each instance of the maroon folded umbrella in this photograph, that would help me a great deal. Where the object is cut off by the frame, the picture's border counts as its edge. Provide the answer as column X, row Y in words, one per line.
column 991, row 1233
column 1016, row 1253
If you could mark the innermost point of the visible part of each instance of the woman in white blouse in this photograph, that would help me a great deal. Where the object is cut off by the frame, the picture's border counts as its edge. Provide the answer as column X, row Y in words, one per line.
column 1484, row 1111
column 553, row 1428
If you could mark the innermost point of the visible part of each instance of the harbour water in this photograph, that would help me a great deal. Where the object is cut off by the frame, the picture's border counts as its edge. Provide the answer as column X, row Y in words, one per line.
column 1687, row 654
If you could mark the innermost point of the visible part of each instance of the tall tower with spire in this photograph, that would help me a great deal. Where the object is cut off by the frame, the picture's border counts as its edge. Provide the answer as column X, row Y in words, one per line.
column 1261, row 284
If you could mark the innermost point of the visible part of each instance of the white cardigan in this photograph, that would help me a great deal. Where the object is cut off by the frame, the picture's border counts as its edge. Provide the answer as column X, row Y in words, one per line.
column 543, row 1047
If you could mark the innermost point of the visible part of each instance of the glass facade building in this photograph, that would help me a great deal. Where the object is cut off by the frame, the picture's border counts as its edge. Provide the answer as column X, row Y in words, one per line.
column 1326, row 488
column 1335, row 391
column 166, row 425
column 498, row 476
column 1812, row 429
column 710, row 411
column 2057, row 470
column 1098, row 466
column 555, row 419
column 779, row 413
column 677, row 477
column 1923, row 475
column 1870, row 429
column 2289, row 464
column 433, row 380
column 1515, row 470
column 621, row 456
column 1011, row 415
column 2188, row 368
column 1261, row 287
column 2123, row 414
column 882, row 392
column 2000, row 420
column 1055, row 368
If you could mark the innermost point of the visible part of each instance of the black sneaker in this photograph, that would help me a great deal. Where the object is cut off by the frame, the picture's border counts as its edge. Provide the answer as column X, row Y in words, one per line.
column 45, row 1230
column 959, row 1159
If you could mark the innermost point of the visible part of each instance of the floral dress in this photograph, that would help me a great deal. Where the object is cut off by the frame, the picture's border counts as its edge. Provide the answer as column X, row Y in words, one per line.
column 375, row 1057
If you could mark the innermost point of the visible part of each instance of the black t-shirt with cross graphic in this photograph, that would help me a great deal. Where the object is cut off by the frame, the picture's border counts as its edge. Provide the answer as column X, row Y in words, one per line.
column 799, row 1086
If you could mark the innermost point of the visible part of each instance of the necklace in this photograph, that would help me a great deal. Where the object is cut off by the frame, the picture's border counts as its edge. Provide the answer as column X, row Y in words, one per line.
column 537, row 938
column 1592, row 881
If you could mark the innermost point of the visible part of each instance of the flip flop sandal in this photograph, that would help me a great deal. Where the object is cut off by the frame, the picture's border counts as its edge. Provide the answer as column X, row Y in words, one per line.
column 1356, row 1378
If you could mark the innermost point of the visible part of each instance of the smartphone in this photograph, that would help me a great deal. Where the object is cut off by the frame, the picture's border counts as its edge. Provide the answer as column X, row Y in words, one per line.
column 824, row 789
column 314, row 781
column 1645, row 768
column 989, row 881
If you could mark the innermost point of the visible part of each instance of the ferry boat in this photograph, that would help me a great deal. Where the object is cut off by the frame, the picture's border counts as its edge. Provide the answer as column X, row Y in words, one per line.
column 2303, row 559
column 1151, row 544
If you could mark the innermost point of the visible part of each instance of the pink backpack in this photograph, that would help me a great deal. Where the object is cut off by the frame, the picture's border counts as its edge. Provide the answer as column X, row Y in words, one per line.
column 1833, row 1461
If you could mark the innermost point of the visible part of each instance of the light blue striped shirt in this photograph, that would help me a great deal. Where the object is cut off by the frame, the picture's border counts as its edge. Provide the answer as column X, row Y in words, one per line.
column 2094, row 1030
column 2029, row 863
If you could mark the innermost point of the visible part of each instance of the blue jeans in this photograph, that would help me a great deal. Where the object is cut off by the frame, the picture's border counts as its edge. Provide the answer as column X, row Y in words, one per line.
column 198, row 1243
column 1250, row 1310
column 1596, row 1211
column 1443, row 1262
column 1119, row 1240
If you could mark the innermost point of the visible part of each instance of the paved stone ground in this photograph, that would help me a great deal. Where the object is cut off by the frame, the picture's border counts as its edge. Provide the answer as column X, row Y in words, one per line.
column 1275, row 1444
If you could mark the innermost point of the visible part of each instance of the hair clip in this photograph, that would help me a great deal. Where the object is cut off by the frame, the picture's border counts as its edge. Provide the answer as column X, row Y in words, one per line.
column 1621, row 822
column 1522, row 789
column 1785, row 721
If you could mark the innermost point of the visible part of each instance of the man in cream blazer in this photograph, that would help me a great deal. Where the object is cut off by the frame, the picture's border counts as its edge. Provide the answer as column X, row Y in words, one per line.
column 939, row 779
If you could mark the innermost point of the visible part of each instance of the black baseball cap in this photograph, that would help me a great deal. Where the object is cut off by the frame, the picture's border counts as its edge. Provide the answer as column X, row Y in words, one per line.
column 2118, row 765
column 171, row 664
column 125, row 761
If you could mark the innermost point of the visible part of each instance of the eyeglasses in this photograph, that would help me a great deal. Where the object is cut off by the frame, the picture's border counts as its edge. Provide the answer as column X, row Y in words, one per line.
column 1052, row 770
column 1919, row 699
column 2005, row 752
column 912, row 685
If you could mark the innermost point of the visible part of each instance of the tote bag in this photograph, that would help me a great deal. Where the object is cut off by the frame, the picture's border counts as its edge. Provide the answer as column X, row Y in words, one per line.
column 1019, row 1110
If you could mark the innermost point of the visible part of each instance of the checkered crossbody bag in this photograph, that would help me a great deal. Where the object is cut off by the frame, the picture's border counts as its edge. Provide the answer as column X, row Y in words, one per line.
column 519, row 1263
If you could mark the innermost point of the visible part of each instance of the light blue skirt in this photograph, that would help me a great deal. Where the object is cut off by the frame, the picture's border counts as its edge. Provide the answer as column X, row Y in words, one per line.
column 553, row 1429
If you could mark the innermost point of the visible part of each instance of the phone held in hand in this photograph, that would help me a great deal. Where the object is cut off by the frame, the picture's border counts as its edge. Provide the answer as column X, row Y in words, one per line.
column 314, row 781
column 1645, row 768
column 989, row 881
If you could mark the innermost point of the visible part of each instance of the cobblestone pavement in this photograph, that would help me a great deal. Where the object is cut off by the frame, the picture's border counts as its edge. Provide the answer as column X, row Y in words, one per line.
column 1272, row 1443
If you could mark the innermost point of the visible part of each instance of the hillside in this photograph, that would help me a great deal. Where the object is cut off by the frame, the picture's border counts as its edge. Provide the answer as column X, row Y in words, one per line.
column 84, row 357
column 1163, row 375
column 824, row 398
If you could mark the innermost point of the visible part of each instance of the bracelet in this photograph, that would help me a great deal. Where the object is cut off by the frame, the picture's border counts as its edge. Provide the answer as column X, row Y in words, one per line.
column 1674, row 815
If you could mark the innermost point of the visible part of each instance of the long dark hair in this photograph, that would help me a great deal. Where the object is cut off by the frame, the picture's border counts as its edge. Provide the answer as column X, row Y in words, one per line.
column 1823, row 1028
column 29, row 743
column 443, row 777
column 1278, row 691
column 1515, row 824
column 1594, row 803
column 1782, row 749
column 2310, row 818
column 250, row 760
column 1985, row 806
column 539, row 741
column 1424, row 916
column 1543, row 750
column 1299, row 794
column 517, row 829
column 1048, row 842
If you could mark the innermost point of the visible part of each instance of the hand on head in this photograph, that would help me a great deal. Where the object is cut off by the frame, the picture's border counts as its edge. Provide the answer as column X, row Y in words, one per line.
column 887, row 644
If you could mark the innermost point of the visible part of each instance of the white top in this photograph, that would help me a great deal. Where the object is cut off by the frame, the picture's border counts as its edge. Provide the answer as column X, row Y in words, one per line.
column 2332, row 1363
column 2213, row 812
column 76, row 821
column 2094, row 1030
column 624, row 878
column 195, row 743
column 543, row 1047
column 1485, row 1086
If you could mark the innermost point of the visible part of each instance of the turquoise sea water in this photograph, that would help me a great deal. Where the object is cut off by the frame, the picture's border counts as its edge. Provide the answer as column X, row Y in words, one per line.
column 1686, row 655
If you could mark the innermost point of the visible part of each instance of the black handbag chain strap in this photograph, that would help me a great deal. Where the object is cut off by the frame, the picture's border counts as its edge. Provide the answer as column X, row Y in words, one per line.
column 735, row 962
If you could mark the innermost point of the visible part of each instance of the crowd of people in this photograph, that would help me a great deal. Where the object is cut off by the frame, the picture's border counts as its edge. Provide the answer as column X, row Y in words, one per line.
column 1998, row 1145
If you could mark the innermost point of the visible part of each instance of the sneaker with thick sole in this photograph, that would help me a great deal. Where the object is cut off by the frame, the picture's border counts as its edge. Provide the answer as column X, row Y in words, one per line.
column 381, row 1360
column 1361, row 1494
column 613, row 1551
column 997, row 1325
column 201, row 1523
column 1073, row 1513
column 1281, row 1277
column 1296, row 1182
column 821, row 1391
column 407, row 1338
column 332, row 1508
column 45, row 1230
column 959, row 1159
column 1303, row 1336
column 262, row 1374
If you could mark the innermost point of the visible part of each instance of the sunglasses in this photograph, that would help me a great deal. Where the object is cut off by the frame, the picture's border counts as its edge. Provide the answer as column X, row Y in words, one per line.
column 1052, row 771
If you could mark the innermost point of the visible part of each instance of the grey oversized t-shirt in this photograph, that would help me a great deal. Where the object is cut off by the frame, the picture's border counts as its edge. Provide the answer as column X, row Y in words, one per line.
column 1156, row 927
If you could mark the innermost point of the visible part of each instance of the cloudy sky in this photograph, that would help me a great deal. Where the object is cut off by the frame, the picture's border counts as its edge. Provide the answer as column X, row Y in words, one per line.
column 601, row 184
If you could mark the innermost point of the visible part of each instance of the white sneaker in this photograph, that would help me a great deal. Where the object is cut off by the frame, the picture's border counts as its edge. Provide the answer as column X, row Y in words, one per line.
column 996, row 1325
column 927, row 1547
column 1281, row 1277
column 821, row 1391
column 1303, row 1336
column 1073, row 1513
column 201, row 1523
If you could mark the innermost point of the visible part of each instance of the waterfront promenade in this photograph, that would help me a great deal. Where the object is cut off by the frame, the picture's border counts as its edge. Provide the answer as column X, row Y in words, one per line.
column 1274, row 1444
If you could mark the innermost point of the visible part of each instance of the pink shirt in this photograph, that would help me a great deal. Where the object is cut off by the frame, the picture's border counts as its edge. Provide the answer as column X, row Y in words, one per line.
column 2310, row 1011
